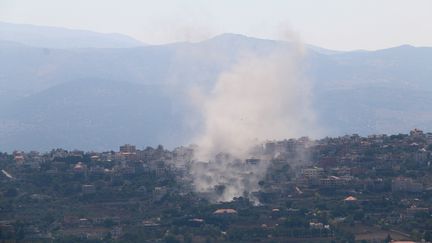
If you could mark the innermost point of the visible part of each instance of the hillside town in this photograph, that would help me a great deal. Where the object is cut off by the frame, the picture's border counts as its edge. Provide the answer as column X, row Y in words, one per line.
column 343, row 189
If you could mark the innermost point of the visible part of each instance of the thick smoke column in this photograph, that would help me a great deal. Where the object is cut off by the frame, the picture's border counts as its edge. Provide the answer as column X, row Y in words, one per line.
column 262, row 97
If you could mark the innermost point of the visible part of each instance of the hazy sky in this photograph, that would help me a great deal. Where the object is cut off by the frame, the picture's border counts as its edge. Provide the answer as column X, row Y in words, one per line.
column 335, row 24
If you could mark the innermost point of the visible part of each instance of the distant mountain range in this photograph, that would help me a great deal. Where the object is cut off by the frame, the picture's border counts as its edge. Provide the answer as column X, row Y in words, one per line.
column 85, row 90
column 54, row 37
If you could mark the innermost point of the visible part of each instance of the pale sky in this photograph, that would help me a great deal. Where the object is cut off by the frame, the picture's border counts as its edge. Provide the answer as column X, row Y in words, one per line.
column 334, row 24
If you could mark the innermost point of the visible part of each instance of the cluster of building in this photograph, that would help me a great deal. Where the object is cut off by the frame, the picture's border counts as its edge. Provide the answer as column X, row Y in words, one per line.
column 380, row 180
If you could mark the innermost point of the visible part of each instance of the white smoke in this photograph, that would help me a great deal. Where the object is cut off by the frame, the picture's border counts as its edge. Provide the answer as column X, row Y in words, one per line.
column 262, row 97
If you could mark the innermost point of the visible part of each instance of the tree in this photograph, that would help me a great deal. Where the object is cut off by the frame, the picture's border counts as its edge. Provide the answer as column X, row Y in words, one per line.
column 11, row 192
column 388, row 238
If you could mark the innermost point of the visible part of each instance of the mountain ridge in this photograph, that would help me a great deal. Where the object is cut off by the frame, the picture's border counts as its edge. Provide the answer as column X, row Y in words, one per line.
column 59, row 37
column 384, row 91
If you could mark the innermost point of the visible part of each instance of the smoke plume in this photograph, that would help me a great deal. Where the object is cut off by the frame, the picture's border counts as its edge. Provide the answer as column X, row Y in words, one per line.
column 262, row 97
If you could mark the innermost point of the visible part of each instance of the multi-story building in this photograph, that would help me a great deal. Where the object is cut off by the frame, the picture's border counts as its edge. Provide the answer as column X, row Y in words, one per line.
column 128, row 149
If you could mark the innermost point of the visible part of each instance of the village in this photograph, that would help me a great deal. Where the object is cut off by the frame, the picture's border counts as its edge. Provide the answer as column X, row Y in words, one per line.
column 312, row 191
